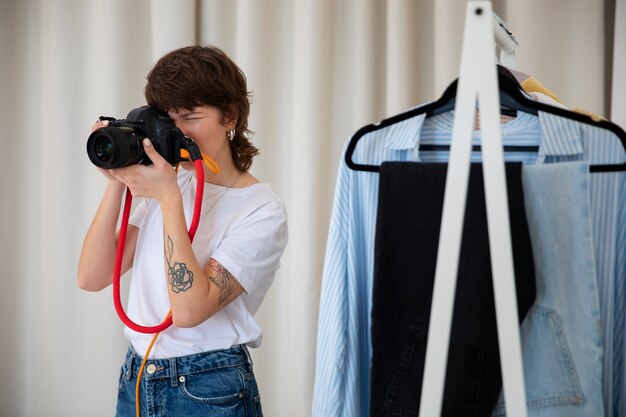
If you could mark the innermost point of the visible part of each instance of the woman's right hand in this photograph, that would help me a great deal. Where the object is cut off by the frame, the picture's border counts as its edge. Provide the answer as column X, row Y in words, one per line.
column 99, row 125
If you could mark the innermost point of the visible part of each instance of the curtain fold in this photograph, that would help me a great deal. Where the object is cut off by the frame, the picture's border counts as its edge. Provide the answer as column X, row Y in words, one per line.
column 618, row 92
column 173, row 25
column 562, row 45
column 409, row 50
column 317, row 70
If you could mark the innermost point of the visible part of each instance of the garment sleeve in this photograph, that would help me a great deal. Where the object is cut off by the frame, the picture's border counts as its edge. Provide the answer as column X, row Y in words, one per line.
column 330, row 368
column 251, row 251
column 136, row 218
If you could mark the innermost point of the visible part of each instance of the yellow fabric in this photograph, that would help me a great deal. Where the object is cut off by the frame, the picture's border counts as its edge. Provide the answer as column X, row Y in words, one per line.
column 594, row 117
column 532, row 85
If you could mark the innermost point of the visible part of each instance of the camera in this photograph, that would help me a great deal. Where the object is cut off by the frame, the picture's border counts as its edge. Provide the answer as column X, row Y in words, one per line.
column 120, row 143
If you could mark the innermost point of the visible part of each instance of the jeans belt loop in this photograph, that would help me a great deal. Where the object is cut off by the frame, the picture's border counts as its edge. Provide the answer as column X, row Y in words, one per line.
column 247, row 352
column 174, row 372
column 131, row 363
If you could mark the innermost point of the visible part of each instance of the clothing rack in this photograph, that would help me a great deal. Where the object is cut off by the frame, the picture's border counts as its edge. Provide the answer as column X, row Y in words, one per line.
column 477, row 80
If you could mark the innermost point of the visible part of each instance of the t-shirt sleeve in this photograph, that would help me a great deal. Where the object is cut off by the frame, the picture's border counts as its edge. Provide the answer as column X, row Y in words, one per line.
column 136, row 218
column 251, row 251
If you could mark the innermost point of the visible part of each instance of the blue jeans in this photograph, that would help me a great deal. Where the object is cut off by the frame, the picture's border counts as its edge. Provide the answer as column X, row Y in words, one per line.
column 218, row 383
column 561, row 336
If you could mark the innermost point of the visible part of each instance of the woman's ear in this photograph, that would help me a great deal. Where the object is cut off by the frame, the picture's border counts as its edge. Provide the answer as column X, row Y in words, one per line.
column 231, row 116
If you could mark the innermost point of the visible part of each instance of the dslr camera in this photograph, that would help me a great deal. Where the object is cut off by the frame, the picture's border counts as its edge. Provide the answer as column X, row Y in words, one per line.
column 120, row 143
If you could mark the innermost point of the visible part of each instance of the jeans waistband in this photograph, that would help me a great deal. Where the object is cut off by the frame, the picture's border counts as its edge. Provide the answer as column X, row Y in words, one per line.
column 173, row 368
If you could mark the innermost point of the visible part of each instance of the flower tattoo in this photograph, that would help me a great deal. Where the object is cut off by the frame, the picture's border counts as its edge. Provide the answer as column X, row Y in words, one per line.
column 180, row 278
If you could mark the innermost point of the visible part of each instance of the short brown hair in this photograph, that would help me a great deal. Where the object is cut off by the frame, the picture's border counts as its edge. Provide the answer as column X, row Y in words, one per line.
column 204, row 75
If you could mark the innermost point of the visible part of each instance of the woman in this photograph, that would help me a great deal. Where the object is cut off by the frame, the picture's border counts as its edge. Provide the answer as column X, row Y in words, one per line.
column 200, row 365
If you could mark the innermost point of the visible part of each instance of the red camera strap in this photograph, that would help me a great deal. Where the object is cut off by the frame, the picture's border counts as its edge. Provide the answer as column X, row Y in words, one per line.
column 120, row 253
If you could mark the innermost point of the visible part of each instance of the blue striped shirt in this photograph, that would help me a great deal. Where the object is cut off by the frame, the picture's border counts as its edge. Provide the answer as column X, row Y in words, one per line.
column 608, row 209
column 343, row 342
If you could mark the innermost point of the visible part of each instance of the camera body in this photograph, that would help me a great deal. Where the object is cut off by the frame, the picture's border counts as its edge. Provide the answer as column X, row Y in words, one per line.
column 120, row 143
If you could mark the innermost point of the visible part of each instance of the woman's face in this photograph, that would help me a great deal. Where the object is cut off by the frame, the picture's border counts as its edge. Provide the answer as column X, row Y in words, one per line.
column 203, row 124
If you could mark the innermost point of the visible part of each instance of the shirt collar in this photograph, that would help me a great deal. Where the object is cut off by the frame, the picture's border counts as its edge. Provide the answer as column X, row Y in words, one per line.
column 405, row 134
column 560, row 136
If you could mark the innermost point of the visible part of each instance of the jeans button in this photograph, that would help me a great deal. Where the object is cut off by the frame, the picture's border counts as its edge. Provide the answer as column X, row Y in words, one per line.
column 151, row 368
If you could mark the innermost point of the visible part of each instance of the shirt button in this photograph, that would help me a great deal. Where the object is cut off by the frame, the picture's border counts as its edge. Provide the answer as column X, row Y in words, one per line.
column 151, row 368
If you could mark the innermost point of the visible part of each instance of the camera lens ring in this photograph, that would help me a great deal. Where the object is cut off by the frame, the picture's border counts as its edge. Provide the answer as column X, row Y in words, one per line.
column 113, row 147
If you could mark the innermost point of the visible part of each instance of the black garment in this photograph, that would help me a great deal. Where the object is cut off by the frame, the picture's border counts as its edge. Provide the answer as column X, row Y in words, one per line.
column 410, row 207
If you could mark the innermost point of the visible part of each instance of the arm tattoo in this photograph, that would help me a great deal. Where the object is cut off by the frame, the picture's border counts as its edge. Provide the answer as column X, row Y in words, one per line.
column 224, row 281
column 179, row 276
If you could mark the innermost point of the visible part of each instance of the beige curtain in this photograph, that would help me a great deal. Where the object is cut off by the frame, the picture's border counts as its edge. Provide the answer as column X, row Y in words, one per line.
column 318, row 69
column 618, row 92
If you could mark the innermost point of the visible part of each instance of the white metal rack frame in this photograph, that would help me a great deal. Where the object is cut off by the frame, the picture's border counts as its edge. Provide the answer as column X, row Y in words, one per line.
column 477, row 81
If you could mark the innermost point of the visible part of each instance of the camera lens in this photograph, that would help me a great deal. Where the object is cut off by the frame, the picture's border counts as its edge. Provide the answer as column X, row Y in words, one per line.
column 103, row 148
column 114, row 147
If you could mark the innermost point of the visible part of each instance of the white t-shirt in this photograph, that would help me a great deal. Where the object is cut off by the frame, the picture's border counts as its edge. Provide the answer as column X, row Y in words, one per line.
column 244, row 229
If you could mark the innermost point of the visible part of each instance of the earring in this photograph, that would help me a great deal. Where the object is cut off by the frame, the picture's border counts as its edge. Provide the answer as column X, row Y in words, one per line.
column 231, row 134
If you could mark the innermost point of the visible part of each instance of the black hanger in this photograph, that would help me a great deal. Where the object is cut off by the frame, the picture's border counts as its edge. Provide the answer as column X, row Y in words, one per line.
column 512, row 99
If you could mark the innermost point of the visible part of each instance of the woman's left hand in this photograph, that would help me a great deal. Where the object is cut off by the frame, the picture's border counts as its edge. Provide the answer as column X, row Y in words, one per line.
column 155, row 181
